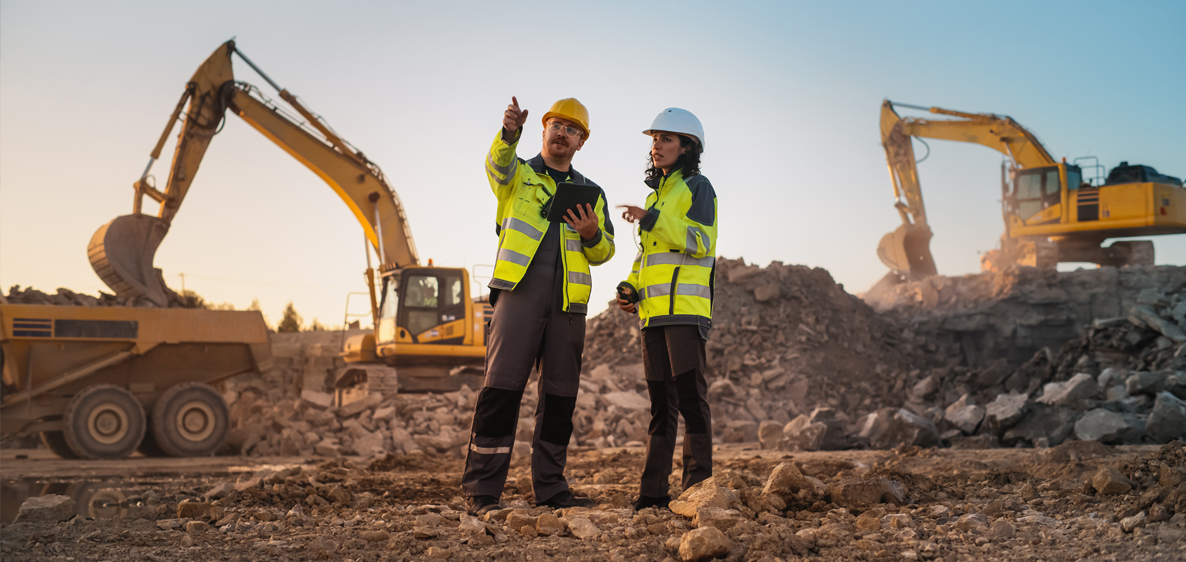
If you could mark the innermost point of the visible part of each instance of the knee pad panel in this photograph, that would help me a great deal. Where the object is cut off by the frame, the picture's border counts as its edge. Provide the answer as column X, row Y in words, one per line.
column 691, row 403
column 497, row 412
column 557, row 419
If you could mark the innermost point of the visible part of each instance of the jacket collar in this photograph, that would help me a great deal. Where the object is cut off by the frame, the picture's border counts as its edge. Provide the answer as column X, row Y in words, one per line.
column 537, row 164
column 657, row 182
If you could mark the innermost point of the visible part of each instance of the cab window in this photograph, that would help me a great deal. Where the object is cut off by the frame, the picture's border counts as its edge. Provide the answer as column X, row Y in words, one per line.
column 421, row 302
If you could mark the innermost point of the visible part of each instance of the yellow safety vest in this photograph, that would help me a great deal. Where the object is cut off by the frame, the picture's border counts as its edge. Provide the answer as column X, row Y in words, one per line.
column 522, row 188
column 674, row 272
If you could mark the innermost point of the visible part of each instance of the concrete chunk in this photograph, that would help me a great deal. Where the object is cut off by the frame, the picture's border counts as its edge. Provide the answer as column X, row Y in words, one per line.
column 1108, row 427
column 965, row 416
column 1005, row 411
column 46, row 509
column 1068, row 393
column 703, row 494
column 704, row 544
column 1167, row 421
column 1108, row 481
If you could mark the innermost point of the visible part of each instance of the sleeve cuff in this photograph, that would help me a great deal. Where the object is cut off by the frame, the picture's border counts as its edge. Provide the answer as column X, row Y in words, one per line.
column 596, row 239
column 648, row 222
column 503, row 135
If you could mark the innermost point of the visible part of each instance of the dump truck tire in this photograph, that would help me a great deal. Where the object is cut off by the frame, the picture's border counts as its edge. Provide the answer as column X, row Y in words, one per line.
column 190, row 420
column 104, row 422
column 55, row 441
column 148, row 446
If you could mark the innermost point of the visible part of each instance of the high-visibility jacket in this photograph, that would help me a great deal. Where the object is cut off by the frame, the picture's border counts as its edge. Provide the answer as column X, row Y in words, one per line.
column 523, row 188
column 674, row 272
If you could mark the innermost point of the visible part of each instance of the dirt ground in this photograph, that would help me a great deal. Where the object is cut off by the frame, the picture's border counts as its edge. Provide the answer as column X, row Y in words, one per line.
column 1015, row 504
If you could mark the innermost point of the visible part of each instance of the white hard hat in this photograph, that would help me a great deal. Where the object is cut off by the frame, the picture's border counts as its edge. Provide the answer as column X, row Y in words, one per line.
column 676, row 120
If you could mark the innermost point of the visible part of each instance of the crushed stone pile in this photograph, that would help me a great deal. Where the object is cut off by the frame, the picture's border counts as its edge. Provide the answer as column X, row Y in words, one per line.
column 795, row 363
column 66, row 297
column 1121, row 381
column 787, row 339
column 1015, row 313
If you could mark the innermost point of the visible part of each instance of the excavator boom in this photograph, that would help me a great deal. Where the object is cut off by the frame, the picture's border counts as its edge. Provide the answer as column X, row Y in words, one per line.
column 906, row 250
column 122, row 251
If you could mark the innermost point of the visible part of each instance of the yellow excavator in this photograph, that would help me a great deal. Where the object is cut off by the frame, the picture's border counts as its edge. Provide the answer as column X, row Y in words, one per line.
column 426, row 323
column 1052, row 212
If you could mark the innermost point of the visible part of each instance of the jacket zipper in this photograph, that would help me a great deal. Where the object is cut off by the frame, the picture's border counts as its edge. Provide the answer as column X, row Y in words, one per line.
column 674, row 278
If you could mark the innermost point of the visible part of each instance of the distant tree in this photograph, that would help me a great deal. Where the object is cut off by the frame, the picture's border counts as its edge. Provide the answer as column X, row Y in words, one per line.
column 316, row 326
column 291, row 321
column 190, row 299
column 255, row 306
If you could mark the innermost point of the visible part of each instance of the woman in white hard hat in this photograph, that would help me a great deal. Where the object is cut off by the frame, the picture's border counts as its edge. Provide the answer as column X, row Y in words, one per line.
column 671, row 289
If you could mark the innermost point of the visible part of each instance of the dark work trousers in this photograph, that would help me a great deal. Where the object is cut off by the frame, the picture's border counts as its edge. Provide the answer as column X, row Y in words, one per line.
column 673, row 357
column 529, row 329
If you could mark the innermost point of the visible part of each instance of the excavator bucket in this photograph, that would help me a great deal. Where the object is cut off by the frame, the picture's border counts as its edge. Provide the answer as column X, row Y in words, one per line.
column 907, row 251
column 121, row 253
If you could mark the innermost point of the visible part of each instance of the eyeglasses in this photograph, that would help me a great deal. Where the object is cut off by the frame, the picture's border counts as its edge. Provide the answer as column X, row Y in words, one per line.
column 556, row 127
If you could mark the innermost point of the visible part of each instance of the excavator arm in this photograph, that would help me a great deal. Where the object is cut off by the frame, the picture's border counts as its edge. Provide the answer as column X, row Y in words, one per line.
column 122, row 251
column 906, row 250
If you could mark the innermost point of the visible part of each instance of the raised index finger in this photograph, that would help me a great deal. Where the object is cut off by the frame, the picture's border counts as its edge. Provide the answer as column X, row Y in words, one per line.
column 515, row 103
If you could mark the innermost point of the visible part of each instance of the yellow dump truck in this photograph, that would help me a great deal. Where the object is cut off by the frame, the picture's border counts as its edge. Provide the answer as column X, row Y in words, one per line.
column 103, row 382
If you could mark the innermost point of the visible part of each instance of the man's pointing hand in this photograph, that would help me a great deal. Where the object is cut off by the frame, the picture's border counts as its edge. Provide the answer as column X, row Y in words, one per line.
column 514, row 117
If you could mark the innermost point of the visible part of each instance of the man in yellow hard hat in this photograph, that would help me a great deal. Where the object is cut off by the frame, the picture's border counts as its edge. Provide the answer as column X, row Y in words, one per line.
column 540, row 292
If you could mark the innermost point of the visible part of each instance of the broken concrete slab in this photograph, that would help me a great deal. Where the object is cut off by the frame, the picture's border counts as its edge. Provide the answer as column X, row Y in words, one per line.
column 702, row 494
column 856, row 493
column 801, row 434
column 1108, row 427
column 1005, row 411
column 1071, row 392
column 1108, row 481
column 704, row 544
column 1049, row 424
column 47, row 509
column 964, row 416
column 1167, row 421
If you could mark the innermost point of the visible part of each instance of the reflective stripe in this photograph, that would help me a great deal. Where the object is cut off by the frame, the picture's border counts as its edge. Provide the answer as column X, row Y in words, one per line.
column 493, row 175
column 514, row 257
column 507, row 171
column 674, row 258
column 521, row 226
column 572, row 245
column 489, row 450
column 580, row 278
column 638, row 258
column 691, row 243
column 690, row 290
column 656, row 291
column 681, row 290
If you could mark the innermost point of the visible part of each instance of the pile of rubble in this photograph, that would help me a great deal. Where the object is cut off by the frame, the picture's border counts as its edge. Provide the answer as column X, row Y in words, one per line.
column 1015, row 313
column 1121, row 381
column 796, row 363
column 66, row 297
column 787, row 339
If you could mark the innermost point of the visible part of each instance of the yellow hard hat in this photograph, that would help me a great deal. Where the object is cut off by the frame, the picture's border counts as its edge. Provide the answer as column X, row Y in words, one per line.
column 571, row 109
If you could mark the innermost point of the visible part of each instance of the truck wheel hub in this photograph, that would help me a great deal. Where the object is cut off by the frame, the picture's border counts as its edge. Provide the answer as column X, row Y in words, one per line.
column 195, row 420
column 108, row 423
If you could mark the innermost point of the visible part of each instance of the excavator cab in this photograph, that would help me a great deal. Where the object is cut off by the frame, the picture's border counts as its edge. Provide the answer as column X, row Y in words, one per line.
column 424, row 305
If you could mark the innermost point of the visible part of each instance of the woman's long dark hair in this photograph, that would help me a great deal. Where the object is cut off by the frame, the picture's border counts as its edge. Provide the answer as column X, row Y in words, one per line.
column 689, row 161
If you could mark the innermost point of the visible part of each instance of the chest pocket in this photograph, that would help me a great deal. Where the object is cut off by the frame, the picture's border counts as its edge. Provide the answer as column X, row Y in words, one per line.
column 530, row 199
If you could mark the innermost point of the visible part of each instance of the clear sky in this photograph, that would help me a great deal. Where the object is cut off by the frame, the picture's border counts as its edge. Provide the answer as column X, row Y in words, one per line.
column 788, row 92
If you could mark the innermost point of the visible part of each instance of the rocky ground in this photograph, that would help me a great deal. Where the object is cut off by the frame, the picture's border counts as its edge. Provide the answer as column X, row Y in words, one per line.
column 1078, row 501
column 1016, row 415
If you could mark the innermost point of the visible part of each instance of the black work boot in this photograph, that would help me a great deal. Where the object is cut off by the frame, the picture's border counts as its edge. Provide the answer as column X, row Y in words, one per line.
column 477, row 505
column 644, row 502
column 565, row 499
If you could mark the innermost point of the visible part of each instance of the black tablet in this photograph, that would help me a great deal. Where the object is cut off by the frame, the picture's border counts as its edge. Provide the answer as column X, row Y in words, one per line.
column 568, row 196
